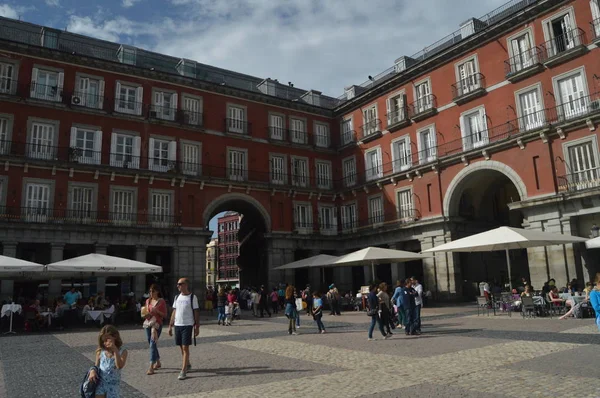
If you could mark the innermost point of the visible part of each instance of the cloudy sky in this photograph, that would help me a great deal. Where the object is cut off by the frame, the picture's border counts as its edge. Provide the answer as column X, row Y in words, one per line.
column 316, row 44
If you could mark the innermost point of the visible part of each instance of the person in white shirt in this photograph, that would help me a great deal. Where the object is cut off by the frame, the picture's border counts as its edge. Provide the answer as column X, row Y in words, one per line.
column 185, row 318
column 418, row 303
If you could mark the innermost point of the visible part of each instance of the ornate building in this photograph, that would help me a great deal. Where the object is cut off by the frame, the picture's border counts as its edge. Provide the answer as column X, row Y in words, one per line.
column 228, row 226
column 211, row 262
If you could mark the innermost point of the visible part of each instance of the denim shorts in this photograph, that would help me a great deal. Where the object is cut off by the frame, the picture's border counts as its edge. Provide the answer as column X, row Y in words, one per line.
column 183, row 335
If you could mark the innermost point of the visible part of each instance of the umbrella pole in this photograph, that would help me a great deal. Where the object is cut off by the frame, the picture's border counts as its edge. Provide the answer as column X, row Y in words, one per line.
column 373, row 270
column 509, row 275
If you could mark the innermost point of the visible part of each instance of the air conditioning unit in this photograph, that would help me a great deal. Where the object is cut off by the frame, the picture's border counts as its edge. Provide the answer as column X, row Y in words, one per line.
column 594, row 105
column 76, row 100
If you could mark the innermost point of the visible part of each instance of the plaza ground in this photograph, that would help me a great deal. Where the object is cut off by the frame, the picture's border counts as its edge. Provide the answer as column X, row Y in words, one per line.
column 459, row 354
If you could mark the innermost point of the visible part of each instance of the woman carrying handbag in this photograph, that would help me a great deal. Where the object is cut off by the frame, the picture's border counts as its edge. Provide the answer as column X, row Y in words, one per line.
column 156, row 310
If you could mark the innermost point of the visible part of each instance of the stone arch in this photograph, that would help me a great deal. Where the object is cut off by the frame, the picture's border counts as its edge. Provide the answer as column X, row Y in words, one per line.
column 236, row 201
column 456, row 185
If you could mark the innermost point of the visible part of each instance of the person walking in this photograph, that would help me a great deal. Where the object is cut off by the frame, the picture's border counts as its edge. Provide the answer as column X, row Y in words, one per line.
column 157, row 310
column 185, row 318
column 221, row 303
column 275, row 301
column 385, row 308
column 264, row 302
column 373, row 312
column 408, row 302
column 110, row 359
column 418, row 303
column 397, row 299
column 595, row 299
column 308, row 298
column 317, row 311
column 290, row 309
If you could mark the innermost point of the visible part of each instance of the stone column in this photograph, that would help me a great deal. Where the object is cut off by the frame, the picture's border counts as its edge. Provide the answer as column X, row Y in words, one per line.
column 198, row 261
column 398, row 269
column 139, row 281
column 289, row 274
column 275, row 259
column 7, row 286
column 54, row 285
column 441, row 274
column 343, row 278
column 100, row 280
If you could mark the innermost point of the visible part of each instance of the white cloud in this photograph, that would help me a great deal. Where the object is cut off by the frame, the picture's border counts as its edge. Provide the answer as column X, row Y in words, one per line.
column 322, row 45
column 8, row 11
column 52, row 3
column 129, row 3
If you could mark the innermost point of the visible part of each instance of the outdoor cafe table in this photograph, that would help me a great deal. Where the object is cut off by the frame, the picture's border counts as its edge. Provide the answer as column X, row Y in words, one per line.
column 99, row 315
column 48, row 315
column 9, row 310
column 568, row 296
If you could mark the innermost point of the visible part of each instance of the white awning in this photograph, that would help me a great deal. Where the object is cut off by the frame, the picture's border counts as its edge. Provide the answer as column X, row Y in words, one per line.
column 102, row 264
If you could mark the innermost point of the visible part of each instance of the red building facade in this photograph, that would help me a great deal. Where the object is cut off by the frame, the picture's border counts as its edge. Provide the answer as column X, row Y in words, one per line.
column 114, row 149
column 228, row 226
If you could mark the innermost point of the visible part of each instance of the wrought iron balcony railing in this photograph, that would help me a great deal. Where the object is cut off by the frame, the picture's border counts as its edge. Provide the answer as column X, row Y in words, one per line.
column 44, row 92
column 523, row 61
column 277, row 134
column 370, row 128
column 468, row 85
column 563, row 43
column 348, row 137
column 8, row 86
column 423, row 107
column 298, row 137
column 397, row 116
column 580, row 180
column 86, row 99
column 237, row 126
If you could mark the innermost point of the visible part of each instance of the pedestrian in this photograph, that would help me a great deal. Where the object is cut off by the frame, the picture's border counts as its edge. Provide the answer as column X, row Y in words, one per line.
column 264, row 302
column 290, row 309
column 308, row 298
column 373, row 312
column 418, row 303
column 208, row 303
column 110, row 359
column 317, row 311
column 595, row 299
column 408, row 302
column 275, row 301
column 185, row 318
column 333, row 296
column 385, row 308
column 281, row 295
column 228, row 314
column 156, row 311
column 221, row 303
column 397, row 299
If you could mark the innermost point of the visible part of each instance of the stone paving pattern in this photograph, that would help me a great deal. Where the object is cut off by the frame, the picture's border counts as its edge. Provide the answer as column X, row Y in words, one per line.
column 459, row 354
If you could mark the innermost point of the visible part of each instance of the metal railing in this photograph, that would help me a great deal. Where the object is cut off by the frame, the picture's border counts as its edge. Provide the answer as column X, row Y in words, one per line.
column 468, row 85
column 574, row 109
column 44, row 92
column 348, row 137
column 298, row 137
column 45, row 215
column 370, row 128
column 579, row 180
column 322, row 140
column 423, row 105
column 168, row 113
column 8, row 86
column 390, row 219
column 277, row 133
column 237, row 126
column 563, row 43
column 476, row 140
column 128, row 107
column 86, row 100
column 397, row 116
column 522, row 61
column 595, row 29
column 190, row 118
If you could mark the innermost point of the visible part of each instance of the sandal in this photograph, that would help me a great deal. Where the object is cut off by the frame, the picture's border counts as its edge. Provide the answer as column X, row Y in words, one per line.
column 157, row 366
column 150, row 372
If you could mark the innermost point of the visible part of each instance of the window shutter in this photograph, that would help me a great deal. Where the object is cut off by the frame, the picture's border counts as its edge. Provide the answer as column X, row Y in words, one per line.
column 139, row 93
column 595, row 6
column 390, row 117
column 174, row 101
column 320, row 217
column 137, row 146
column 34, row 76
column 150, row 152
column 463, row 130
column 158, row 99
column 113, row 149
column 484, row 134
column 98, row 143
column 117, row 94
column 73, row 143
column 173, row 151
column 101, row 94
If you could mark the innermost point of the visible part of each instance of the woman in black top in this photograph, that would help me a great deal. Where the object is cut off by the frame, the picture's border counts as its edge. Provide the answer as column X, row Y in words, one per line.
column 373, row 303
column 290, row 309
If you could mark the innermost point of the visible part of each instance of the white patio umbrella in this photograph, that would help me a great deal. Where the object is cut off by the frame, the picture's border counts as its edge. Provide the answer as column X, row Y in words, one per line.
column 593, row 243
column 319, row 260
column 376, row 255
column 11, row 267
column 101, row 264
column 505, row 238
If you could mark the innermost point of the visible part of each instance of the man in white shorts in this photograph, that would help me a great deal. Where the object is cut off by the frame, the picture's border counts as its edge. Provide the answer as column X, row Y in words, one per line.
column 185, row 318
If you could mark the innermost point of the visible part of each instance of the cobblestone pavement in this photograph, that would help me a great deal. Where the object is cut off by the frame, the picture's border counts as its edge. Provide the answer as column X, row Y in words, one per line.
column 458, row 355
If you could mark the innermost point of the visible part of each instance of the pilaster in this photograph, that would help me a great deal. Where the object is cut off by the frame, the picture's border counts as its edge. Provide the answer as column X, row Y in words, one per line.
column 7, row 286
column 55, row 285
column 101, row 280
column 441, row 273
column 139, row 281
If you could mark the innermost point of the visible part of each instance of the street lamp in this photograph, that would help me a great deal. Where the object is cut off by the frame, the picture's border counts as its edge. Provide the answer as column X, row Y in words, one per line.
column 595, row 231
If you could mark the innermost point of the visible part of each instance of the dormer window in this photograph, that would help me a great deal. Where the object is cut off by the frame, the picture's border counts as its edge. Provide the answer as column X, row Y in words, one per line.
column 186, row 68
column 49, row 38
column 126, row 55
column 267, row 86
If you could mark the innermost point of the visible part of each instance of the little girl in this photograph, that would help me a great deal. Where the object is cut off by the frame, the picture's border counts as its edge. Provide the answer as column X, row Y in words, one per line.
column 228, row 314
column 317, row 311
column 110, row 359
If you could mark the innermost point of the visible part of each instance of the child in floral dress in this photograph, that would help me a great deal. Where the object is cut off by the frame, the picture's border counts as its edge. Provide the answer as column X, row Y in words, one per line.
column 110, row 359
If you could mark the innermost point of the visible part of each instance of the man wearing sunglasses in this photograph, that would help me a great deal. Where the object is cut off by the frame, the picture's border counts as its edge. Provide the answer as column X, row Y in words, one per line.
column 185, row 318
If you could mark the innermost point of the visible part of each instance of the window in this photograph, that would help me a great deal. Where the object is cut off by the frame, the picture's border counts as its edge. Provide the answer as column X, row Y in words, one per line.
column 303, row 217
column 237, row 167
column 473, row 126
column 162, row 155
column 520, row 48
column 5, row 134
column 423, row 95
column 572, row 95
column 466, row 74
column 126, row 55
column 373, row 164
column 89, row 92
column 192, row 111
column 530, row 108
column 327, row 220
column 321, row 135
column 277, row 127
column 349, row 170
column 299, row 172
column 323, row 175
column 371, row 123
column 404, row 205
column 190, row 154
column 161, row 208
column 86, row 146
column 49, row 38
column 298, row 131
column 186, row 68
column 8, row 83
column 236, row 123
column 165, row 105
column 376, row 211
column 81, row 203
column 583, row 171
column 47, row 85
column 37, row 202
column 41, row 141
column 560, row 34
column 347, row 132
column 401, row 154
column 278, row 172
column 122, row 206
column 349, row 217
column 595, row 6
column 396, row 109
column 128, row 99
column 427, row 144
column 125, row 151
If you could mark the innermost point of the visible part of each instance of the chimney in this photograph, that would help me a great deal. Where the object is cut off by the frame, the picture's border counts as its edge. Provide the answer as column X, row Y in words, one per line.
column 471, row 26
column 403, row 63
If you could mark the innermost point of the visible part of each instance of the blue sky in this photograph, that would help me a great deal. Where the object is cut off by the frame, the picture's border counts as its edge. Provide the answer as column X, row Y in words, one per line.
column 315, row 44
column 213, row 224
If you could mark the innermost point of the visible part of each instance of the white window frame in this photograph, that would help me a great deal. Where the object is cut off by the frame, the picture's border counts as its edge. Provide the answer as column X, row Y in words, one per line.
column 376, row 216
column 8, row 81
column 349, row 178
column 595, row 9
column 432, row 155
column 399, row 162
column 277, row 132
column 191, row 116
column 82, row 95
column 237, row 125
column 83, row 155
column 346, row 135
column 324, row 182
column 471, row 82
column 161, row 111
column 6, row 129
column 349, row 226
column 373, row 173
column 237, row 173
column 83, row 215
column 370, row 115
column 127, row 55
column 55, row 95
column 328, row 228
column 405, row 212
column 162, row 164
column 549, row 33
column 392, row 118
column 279, row 178
column 592, row 176
column 425, row 103
column 123, row 218
column 298, row 130
column 46, row 151
column 528, row 122
column 467, row 139
column 121, row 159
column 38, row 214
column 523, row 61
column 188, row 167
column 163, row 218
column 303, row 226
column 299, row 180
column 136, row 109
column 322, row 135
column 564, row 111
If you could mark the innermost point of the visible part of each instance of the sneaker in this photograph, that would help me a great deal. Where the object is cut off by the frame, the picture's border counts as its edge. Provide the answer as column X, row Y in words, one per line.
column 294, row 334
column 370, row 339
column 323, row 332
column 387, row 336
column 297, row 326
column 182, row 376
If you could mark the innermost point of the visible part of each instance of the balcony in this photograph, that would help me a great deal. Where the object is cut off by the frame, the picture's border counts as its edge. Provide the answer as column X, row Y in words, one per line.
column 523, row 65
column 347, row 138
column 303, row 227
column 595, row 28
column 397, row 119
column 49, row 93
column 190, row 118
column 574, row 110
column 8, row 86
column 564, row 47
column 322, row 141
column 87, row 100
column 127, row 107
column 469, row 88
column 59, row 216
column 371, row 130
column 477, row 140
column 579, row 181
column 298, row 137
column 237, row 126
column 167, row 113
column 277, row 134
column 423, row 108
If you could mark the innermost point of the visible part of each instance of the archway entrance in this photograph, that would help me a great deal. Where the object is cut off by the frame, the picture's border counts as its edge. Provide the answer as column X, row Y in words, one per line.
column 251, row 259
column 479, row 202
